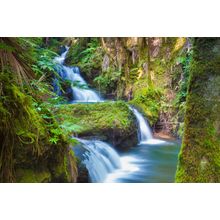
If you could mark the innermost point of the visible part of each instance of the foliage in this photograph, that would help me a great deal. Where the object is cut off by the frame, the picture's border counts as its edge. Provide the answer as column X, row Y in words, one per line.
column 147, row 99
column 179, row 103
column 44, row 62
column 86, row 55
column 74, row 54
column 107, row 81
column 30, row 137
column 20, row 123
column 184, row 61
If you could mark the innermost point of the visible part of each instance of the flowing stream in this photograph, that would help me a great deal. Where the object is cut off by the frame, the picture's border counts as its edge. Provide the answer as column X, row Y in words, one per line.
column 152, row 160
column 80, row 90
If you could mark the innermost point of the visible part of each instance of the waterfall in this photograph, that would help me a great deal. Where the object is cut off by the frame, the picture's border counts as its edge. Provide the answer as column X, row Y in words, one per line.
column 104, row 164
column 144, row 130
column 61, row 58
column 100, row 159
column 80, row 90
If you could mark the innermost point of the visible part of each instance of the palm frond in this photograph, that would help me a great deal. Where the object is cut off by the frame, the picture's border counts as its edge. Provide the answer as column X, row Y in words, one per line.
column 14, row 59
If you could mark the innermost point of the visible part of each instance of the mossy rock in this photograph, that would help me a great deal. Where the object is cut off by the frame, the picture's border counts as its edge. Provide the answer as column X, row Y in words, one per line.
column 32, row 176
column 66, row 171
column 110, row 121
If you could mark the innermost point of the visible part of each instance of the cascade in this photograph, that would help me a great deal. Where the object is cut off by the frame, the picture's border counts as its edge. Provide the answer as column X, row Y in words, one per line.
column 144, row 130
column 80, row 90
column 102, row 161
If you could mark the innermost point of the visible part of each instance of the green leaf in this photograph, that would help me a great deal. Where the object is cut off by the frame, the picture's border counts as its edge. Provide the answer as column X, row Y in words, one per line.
column 53, row 140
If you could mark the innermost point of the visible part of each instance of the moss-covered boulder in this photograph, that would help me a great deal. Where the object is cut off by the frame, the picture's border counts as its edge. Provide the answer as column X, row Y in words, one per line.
column 110, row 121
column 199, row 159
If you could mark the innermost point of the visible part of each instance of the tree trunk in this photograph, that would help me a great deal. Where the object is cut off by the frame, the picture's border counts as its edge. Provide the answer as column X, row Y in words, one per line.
column 199, row 159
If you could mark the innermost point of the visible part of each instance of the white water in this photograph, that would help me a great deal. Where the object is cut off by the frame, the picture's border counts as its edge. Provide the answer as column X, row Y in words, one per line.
column 61, row 58
column 104, row 164
column 128, row 167
column 80, row 90
column 144, row 128
column 145, row 132
column 100, row 159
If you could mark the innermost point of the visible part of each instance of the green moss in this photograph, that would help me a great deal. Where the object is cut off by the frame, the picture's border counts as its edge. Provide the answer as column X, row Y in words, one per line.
column 61, row 172
column 66, row 169
column 111, row 120
column 147, row 99
column 31, row 176
column 99, row 116
column 107, row 81
column 199, row 159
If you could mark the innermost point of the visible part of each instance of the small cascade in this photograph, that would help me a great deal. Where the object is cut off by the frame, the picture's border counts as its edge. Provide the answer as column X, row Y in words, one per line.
column 61, row 58
column 144, row 128
column 100, row 159
column 81, row 92
column 79, row 87
column 145, row 133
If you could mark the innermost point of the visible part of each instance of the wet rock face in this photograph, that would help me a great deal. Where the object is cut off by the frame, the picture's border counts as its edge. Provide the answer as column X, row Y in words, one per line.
column 155, row 43
column 121, row 140
column 128, row 142
column 105, row 62
column 83, row 174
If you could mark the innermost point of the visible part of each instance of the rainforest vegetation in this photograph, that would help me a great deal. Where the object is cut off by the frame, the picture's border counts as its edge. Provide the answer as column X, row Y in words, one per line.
column 47, row 113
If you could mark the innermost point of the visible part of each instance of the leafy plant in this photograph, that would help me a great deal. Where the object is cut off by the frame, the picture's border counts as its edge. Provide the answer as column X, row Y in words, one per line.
column 148, row 99
column 107, row 81
column 183, row 83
